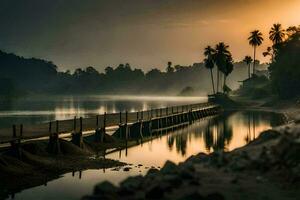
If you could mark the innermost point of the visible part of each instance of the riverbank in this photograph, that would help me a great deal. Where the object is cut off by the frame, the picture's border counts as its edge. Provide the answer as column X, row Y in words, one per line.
column 33, row 165
column 266, row 168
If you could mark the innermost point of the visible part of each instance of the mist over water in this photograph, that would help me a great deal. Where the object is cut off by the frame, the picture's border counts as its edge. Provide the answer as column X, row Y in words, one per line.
column 32, row 110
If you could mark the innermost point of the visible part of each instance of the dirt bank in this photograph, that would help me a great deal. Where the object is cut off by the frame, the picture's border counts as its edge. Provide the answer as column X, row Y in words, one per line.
column 33, row 165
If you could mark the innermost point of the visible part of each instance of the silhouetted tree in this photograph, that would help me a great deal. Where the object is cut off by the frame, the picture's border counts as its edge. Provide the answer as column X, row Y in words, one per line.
column 248, row 60
column 255, row 40
column 269, row 52
column 170, row 69
column 276, row 34
column 284, row 70
column 227, row 70
column 222, row 57
column 209, row 63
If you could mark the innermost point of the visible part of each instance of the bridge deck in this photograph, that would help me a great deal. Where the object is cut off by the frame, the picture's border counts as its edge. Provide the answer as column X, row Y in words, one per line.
column 66, row 127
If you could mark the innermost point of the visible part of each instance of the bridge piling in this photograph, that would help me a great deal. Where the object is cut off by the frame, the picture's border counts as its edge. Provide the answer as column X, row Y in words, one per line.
column 77, row 136
column 54, row 144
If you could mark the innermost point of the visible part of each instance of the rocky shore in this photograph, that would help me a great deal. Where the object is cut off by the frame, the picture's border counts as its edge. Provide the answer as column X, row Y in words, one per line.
column 266, row 168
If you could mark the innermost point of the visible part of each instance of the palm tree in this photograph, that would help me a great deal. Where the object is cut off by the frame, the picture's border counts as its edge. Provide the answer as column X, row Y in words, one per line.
column 221, row 56
column 248, row 60
column 170, row 69
column 269, row 52
column 276, row 34
column 292, row 30
column 209, row 64
column 227, row 70
column 255, row 40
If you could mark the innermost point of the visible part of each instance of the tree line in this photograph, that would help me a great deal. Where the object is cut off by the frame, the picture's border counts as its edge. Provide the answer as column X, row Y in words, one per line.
column 19, row 75
column 284, row 66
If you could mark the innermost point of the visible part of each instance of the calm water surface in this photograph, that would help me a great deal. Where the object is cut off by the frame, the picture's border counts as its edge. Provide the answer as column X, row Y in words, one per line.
column 31, row 110
column 227, row 131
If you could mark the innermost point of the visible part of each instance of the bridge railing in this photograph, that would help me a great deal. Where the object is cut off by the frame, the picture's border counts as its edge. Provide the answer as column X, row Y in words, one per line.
column 90, row 123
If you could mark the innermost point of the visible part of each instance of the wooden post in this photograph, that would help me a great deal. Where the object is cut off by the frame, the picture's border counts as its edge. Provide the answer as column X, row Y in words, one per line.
column 57, row 126
column 172, row 110
column 14, row 131
column 104, row 126
column 97, row 131
column 74, row 124
column 137, row 116
column 150, row 127
column 167, row 111
column 104, row 120
column 126, row 128
column 120, row 117
column 54, row 145
column 80, row 124
column 97, row 121
column 142, row 115
column 50, row 127
column 21, row 131
column 160, row 110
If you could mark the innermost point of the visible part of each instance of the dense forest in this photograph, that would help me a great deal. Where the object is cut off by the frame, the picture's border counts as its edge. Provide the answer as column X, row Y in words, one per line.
column 20, row 75
column 285, row 65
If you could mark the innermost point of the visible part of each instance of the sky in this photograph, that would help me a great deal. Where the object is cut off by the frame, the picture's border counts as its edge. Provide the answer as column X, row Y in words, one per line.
column 144, row 33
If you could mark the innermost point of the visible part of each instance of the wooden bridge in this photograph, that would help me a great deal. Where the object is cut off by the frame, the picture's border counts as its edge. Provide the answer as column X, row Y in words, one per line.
column 122, row 125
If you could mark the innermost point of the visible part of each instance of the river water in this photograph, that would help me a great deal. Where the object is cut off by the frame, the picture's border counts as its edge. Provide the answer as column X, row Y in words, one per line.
column 224, row 132
column 37, row 109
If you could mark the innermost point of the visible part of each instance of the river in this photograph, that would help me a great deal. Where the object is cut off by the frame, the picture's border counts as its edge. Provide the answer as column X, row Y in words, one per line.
column 227, row 131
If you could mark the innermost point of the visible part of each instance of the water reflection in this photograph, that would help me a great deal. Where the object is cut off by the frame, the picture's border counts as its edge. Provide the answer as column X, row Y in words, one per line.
column 225, row 132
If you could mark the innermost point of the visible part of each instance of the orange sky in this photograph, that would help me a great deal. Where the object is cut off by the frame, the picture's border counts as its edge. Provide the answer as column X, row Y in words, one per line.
column 142, row 32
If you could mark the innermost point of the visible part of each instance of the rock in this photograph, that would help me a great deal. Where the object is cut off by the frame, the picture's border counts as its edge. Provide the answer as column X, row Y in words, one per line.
column 215, row 196
column 169, row 168
column 266, row 136
column 140, row 165
column 126, row 169
column 186, row 173
column 218, row 159
column 155, row 192
column 132, row 183
column 234, row 180
column 173, row 179
column 193, row 196
column 152, row 171
column 238, row 164
column 199, row 158
column 105, row 188
column 259, row 179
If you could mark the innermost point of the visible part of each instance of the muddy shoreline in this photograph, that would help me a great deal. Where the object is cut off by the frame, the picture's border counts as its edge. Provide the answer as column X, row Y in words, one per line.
column 33, row 165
